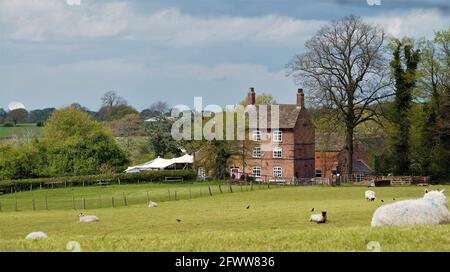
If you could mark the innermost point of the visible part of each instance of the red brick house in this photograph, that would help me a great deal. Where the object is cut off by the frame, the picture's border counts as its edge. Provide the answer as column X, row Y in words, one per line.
column 331, row 156
column 284, row 154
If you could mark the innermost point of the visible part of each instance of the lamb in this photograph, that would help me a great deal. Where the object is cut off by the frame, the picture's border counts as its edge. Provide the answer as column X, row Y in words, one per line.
column 88, row 218
column 431, row 209
column 36, row 235
column 152, row 204
column 370, row 195
column 318, row 218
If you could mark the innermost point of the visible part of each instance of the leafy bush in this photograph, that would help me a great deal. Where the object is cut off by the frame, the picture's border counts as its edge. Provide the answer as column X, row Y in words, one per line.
column 8, row 125
column 149, row 176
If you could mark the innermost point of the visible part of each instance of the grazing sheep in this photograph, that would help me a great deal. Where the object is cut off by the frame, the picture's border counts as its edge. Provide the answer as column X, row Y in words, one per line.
column 431, row 209
column 88, row 218
column 370, row 195
column 152, row 204
column 318, row 218
column 36, row 235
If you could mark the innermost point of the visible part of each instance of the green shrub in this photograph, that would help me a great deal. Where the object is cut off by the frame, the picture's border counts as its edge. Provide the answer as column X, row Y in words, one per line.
column 149, row 176
column 8, row 125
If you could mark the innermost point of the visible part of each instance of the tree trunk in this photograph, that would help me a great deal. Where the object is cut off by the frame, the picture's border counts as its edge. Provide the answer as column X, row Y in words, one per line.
column 349, row 145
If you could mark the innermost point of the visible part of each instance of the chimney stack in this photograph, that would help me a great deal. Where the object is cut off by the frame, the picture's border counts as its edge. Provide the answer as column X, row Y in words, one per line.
column 300, row 98
column 251, row 96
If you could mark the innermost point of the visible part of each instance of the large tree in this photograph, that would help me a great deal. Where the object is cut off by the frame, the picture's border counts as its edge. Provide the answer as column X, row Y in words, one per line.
column 114, row 107
column 3, row 115
column 156, row 109
column 345, row 70
column 75, row 144
column 17, row 115
column 160, row 137
column 129, row 126
column 404, row 71
column 37, row 116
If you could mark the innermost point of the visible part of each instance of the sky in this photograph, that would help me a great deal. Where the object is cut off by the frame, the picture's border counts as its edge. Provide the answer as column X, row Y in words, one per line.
column 57, row 52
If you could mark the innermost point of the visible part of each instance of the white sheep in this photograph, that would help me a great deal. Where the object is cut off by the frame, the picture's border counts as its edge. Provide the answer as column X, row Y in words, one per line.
column 431, row 209
column 318, row 218
column 370, row 195
column 36, row 235
column 152, row 204
column 88, row 218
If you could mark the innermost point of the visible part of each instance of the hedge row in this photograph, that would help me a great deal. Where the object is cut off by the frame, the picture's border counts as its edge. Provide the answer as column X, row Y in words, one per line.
column 148, row 176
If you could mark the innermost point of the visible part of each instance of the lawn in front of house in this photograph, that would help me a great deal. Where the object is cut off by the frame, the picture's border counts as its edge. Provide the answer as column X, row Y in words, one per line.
column 277, row 220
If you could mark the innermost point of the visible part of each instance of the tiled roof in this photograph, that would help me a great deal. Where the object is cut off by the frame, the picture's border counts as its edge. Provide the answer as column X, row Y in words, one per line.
column 288, row 115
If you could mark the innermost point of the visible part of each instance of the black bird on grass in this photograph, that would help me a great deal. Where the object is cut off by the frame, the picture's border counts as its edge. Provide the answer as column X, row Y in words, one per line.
column 178, row 220
column 393, row 199
column 248, row 207
column 382, row 201
column 312, row 210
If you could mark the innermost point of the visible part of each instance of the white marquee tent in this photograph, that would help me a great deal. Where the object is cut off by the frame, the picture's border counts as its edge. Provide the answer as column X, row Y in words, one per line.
column 160, row 164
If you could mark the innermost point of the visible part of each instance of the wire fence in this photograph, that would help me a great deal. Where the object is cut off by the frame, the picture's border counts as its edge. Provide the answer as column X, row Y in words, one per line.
column 121, row 199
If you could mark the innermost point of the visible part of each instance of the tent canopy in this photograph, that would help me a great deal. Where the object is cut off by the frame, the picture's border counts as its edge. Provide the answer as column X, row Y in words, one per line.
column 161, row 164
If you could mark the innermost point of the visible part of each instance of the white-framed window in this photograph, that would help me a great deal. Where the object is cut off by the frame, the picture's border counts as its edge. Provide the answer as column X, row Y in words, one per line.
column 256, row 135
column 277, row 136
column 278, row 172
column 257, row 152
column 318, row 173
column 256, row 171
column 277, row 153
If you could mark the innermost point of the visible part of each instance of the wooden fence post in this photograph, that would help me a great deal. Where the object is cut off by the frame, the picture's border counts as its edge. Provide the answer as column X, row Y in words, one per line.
column 231, row 189
column 15, row 204
column 124, row 199
column 242, row 188
column 209, row 188
column 34, row 205
column 84, row 203
column 220, row 189
column 251, row 185
column 148, row 198
column 176, row 195
column 168, row 190
column 46, row 202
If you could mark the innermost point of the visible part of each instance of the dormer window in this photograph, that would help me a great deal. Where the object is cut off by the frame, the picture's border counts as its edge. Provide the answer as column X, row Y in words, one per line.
column 277, row 136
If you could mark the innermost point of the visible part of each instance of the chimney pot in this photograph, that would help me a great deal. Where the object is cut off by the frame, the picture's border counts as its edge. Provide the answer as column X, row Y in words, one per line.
column 300, row 98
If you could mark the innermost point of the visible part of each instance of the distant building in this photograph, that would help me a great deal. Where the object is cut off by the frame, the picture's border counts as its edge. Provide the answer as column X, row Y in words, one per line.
column 331, row 156
column 292, row 155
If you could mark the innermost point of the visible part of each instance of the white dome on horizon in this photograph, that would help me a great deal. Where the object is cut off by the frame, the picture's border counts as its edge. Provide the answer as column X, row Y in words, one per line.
column 15, row 106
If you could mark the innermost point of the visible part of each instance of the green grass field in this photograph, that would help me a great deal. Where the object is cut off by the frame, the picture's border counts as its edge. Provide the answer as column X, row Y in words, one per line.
column 21, row 130
column 276, row 221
